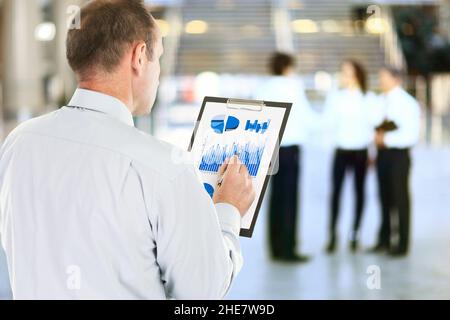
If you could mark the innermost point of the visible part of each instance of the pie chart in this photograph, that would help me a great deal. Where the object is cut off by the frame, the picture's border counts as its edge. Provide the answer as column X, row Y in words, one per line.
column 222, row 123
column 209, row 188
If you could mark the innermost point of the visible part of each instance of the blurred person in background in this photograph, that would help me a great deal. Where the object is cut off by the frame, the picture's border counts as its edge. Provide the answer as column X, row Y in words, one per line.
column 351, row 118
column 284, row 199
column 394, row 161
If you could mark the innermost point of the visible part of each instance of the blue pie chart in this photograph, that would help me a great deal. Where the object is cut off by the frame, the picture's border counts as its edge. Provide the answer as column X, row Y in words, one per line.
column 221, row 124
column 210, row 189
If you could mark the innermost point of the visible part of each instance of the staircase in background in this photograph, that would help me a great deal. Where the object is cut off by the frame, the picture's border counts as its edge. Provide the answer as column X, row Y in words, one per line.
column 239, row 37
column 325, row 51
column 242, row 34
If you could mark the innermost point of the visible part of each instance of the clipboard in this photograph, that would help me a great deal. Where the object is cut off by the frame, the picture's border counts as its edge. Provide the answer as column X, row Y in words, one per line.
column 254, row 128
column 387, row 126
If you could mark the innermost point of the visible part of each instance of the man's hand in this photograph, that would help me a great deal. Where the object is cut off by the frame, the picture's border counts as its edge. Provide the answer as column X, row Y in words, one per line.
column 236, row 186
column 379, row 139
column 371, row 162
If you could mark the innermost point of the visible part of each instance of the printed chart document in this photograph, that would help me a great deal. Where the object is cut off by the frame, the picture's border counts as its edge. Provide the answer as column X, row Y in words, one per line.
column 252, row 130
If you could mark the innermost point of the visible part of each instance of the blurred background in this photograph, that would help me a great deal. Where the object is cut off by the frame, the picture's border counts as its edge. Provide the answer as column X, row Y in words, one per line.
column 221, row 48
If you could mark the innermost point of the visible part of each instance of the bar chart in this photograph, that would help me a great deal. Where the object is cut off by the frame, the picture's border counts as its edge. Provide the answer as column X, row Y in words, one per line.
column 256, row 126
column 249, row 153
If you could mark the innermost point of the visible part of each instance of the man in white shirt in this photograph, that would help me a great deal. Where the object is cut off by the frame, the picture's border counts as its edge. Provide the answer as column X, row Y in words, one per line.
column 393, row 161
column 92, row 208
column 284, row 204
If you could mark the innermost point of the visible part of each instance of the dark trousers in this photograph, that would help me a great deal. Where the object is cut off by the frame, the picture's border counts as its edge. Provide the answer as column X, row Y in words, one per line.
column 284, row 203
column 356, row 162
column 393, row 167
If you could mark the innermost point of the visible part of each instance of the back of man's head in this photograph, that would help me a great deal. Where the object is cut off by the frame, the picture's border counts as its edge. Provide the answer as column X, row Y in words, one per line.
column 395, row 72
column 281, row 62
column 390, row 78
column 108, row 29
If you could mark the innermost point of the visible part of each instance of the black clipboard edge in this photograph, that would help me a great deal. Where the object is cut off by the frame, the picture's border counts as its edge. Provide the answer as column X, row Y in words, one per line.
column 248, row 233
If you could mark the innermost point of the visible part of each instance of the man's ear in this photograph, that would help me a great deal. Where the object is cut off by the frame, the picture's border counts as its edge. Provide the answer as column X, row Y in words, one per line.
column 139, row 58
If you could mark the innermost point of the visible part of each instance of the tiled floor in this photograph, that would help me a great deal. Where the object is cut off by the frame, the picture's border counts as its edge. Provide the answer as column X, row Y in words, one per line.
column 424, row 274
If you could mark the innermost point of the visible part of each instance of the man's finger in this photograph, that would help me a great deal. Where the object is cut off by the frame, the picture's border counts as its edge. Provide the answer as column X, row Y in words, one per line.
column 234, row 164
column 243, row 170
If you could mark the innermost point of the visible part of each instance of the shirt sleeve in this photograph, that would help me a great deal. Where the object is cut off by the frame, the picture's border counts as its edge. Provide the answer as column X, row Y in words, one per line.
column 408, row 132
column 309, row 119
column 330, row 113
column 375, row 109
column 197, row 242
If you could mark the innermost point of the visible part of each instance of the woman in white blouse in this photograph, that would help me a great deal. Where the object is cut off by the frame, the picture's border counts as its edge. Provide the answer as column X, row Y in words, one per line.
column 351, row 118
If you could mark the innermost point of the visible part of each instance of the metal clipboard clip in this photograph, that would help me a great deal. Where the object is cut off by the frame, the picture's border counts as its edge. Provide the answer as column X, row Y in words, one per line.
column 252, row 105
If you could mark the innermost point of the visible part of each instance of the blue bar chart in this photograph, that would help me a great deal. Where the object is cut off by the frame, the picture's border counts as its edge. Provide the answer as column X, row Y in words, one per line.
column 249, row 154
column 256, row 126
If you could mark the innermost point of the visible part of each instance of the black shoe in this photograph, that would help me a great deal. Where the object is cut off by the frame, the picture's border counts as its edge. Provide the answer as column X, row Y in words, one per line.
column 399, row 253
column 354, row 241
column 296, row 258
column 354, row 245
column 331, row 247
column 379, row 248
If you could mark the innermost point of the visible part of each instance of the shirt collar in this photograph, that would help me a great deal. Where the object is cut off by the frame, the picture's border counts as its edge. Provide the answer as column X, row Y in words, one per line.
column 394, row 91
column 102, row 103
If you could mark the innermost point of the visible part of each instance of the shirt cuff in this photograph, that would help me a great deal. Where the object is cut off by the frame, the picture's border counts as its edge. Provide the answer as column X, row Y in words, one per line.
column 229, row 218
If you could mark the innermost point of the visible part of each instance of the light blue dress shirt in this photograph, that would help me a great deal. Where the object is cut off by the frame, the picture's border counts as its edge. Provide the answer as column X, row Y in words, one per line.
column 92, row 208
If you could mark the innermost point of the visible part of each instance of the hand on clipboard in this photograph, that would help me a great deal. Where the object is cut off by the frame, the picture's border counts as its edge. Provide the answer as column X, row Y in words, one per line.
column 387, row 126
column 247, row 133
column 381, row 130
column 235, row 186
